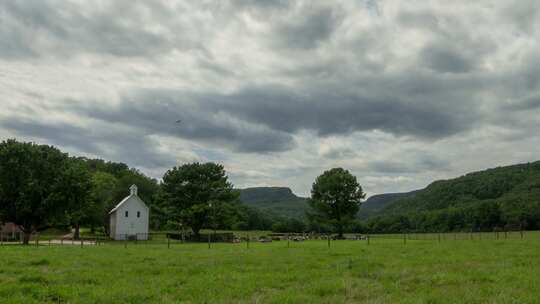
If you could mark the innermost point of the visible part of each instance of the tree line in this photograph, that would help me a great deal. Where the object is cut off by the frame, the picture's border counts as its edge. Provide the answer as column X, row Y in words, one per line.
column 503, row 198
column 42, row 187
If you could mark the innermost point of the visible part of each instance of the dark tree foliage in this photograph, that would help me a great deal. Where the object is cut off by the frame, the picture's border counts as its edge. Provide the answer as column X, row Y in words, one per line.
column 111, row 184
column 193, row 193
column 76, row 183
column 104, row 186
column 99, row 165
column 50, row 189
column 500, row 198
column 35, row 186
column 288, row 225
column 335, row 199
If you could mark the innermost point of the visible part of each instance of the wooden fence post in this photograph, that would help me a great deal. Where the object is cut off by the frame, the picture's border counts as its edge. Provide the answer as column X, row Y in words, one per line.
column 247, row 242
column 82, row 243
column 37, row 240
column 168, row 241
column 328, row 237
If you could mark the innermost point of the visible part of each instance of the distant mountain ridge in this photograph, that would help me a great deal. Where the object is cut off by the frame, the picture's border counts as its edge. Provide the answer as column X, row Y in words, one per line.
column 488, row 185
column 506, row 196
column 277, row 200
column 376, row 203
column 283, row 202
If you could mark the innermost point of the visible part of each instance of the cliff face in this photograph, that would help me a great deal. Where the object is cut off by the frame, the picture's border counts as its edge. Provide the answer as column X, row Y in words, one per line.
column 278, row 200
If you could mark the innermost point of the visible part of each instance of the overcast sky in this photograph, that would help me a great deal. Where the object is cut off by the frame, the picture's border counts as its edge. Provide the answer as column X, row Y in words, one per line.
column 401, row 93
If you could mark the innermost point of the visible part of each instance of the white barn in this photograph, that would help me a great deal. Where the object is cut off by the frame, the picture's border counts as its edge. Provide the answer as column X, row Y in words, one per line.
column 130, row 218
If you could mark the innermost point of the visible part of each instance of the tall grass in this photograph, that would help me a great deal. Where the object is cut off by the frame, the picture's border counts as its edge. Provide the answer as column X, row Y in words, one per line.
column 385, row 271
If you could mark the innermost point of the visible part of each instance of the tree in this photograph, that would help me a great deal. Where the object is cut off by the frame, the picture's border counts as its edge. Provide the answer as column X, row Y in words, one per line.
column 335, row 198
column 111, row 181
column 147, row 187
column 103, row 189
column 76, row 185
column 187, row 192
column 31, row 192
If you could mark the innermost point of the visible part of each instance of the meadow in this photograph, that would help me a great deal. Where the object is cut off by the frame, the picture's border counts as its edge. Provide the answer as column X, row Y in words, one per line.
column 387, row 270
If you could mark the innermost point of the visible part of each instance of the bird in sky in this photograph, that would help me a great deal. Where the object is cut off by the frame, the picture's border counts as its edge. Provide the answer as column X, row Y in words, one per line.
column 179, row 121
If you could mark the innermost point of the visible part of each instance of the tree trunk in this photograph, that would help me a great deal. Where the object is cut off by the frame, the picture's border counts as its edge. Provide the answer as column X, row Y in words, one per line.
column 26, row 237
column 77, row 232
column 340, row 231
column 196, row 232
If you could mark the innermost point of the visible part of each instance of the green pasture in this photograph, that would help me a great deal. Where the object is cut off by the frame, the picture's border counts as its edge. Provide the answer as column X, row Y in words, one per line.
column 387, row 270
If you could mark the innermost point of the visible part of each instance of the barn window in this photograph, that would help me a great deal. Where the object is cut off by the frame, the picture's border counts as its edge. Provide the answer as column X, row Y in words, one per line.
column 138, row 214
column 126, row 214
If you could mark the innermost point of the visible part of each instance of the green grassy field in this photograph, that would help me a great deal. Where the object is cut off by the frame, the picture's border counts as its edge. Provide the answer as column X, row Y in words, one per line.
column 385, row 271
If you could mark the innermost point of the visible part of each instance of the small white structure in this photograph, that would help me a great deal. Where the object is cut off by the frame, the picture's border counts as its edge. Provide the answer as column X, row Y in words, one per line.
column 129, row 219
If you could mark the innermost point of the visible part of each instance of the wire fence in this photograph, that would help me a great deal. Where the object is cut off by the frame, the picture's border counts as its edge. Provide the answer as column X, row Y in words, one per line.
column 172, row 238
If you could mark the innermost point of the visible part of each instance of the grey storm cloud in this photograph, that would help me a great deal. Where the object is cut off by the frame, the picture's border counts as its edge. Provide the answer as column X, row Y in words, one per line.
column 446, row 59
column 307, row 32
column 157, row 112
column 265, row 119
column 288, row 84
column 50, row 28
column 328, row 114
column 119, row 145
column 423, row 163
column 527, row 103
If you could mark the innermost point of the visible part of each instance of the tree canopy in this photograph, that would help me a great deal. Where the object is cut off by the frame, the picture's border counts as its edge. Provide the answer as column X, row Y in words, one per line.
column 335, row 199
column 189, row 193
column 36, row 184
column 505, row 197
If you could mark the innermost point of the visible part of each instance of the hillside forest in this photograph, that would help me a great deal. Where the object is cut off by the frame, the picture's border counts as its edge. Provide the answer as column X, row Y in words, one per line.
column 76, row 192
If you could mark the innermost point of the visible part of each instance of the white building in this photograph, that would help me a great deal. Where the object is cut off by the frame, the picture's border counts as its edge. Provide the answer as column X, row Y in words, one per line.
column 129, row 219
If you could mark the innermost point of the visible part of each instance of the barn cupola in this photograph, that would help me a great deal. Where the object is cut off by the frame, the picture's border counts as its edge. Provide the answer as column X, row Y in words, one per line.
column 133, row 190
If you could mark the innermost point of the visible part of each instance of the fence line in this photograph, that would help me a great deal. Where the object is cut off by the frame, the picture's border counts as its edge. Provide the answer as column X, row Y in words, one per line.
column 170, row 239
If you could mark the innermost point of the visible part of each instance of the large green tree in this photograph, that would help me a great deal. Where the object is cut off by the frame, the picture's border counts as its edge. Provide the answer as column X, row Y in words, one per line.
column 76, row 185
column 32, row 185
column 111, row 184
column 188, row 191
column 335, row 199
column 104, row 186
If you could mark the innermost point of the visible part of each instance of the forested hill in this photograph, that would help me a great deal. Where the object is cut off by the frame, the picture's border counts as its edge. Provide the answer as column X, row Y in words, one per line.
column 500, row 197
column 376, row 203
column 278, row 200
